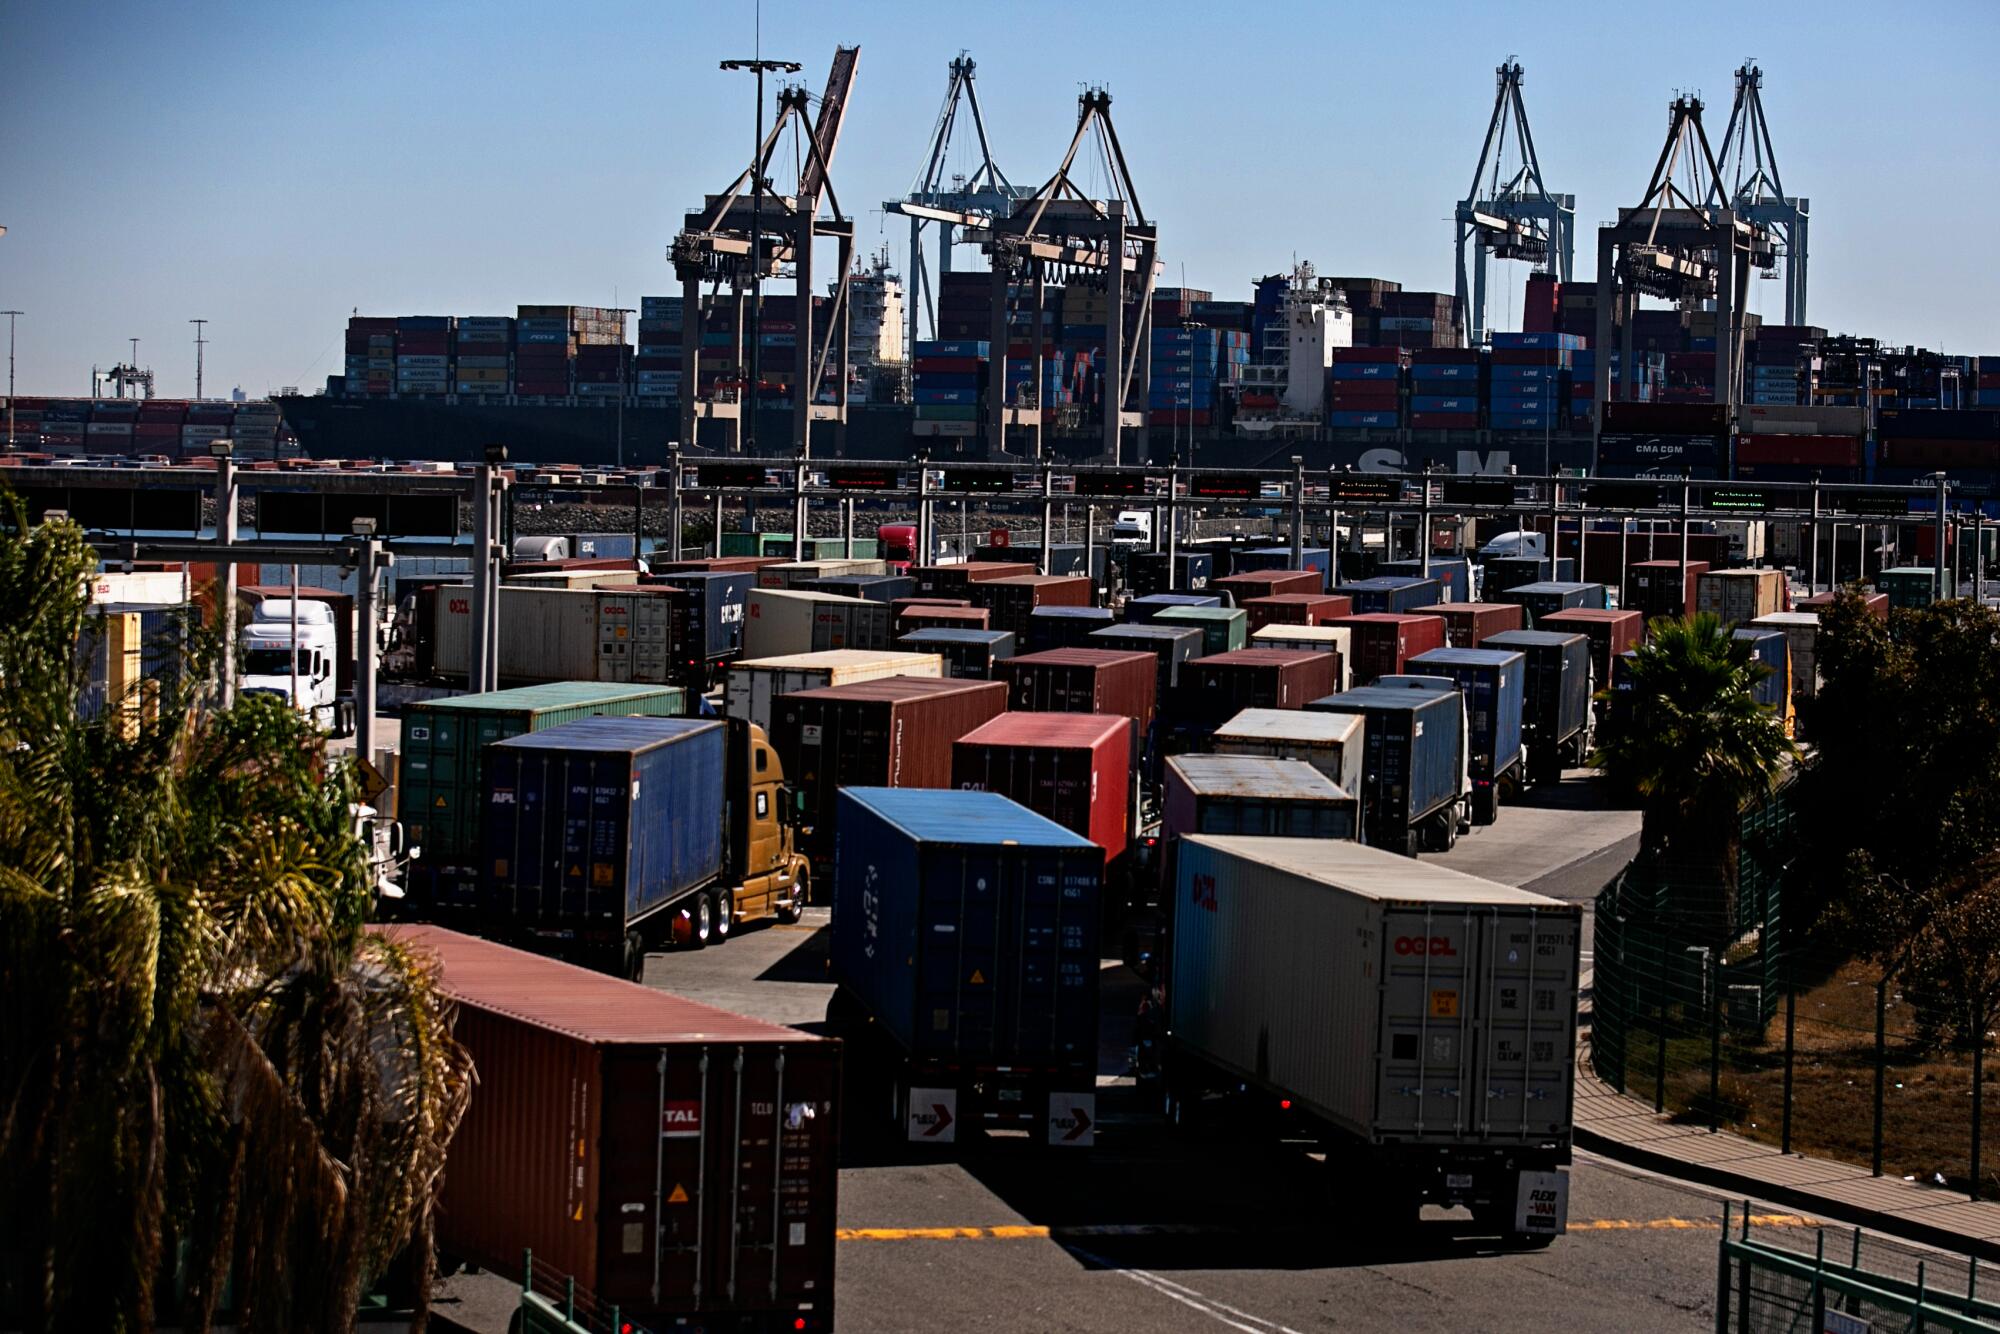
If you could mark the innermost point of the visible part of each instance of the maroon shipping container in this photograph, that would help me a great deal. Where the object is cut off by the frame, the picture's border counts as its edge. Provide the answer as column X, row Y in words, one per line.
column 676, row 1160
column 1012, row 600
column 896, row 605
column 1384, row 641
column 1466, row 623
column 941, row 618
column 1075, row 768
column 954, row 580
column 1296, row 609
column 1610, row 633
column 895, row 732
column 1650, row 587
column 1084, row 680
column 714, row 565
column 1877, row 603
column 1217, row 688
column 1249, row 584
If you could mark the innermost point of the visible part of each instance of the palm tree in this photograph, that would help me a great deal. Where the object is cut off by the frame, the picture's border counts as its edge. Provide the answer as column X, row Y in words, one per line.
column 210, row 1074
column 1690, row 739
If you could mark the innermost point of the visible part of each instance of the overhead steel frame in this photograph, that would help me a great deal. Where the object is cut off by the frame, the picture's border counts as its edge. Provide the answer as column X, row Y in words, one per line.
column 734, row 237
column 1511, row 218
column 1680, row 244
column 1757, row 192
column 985, row 194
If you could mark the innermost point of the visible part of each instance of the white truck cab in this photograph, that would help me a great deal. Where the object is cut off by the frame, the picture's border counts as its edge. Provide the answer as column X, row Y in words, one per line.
column 276, row 661
column 1516, row 543
column 1132, row 526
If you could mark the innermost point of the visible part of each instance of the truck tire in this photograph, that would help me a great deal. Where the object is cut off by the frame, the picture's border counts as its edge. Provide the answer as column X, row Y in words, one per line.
column 701, row 923
column 725, row 914
column 632, row 961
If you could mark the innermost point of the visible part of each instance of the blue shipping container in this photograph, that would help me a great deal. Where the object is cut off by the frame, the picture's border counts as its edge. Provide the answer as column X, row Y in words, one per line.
column 602, row 822
column 1361, row 421
column 1453, row 575
column 1774, row 650
column 968, row 655
column 1555, row 703
column 967, row 926
column 1066, row 627
column 708, row 625
column 1543, row 598
column 1493, row 682
column 1392, row 593
column 1184, row 572
column 1410, row 756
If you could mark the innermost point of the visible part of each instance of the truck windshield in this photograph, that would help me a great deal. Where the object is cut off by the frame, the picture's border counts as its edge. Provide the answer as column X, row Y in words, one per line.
column 274, row 662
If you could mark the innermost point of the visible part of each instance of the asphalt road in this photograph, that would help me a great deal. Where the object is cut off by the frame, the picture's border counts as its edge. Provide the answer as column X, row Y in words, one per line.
column 1156, row 1230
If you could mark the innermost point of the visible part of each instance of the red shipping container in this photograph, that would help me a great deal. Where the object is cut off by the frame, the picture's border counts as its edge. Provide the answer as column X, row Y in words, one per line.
column 941, row 618
column 1217, row 688
column 953, row 580
column 1808, row 451
column 1358, row 355
column 1083, row 680
column 1543, row 305
column 1649, row 586
column 1249, row 584
column 1012, row 600
column 898, row 605
column 1877, row 603
column 1384, row 641
column 591, row 1091
column 1075, row 768
column 896, row 732
column 1940, row 454
column 715, row 565
column 1466, row 623
column 1610, row 633
column 1445, row 421
column 1295, row 609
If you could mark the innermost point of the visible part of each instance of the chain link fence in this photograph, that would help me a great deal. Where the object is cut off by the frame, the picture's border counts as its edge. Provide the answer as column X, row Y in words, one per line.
column 1710, row 1005
column 1788, row 1280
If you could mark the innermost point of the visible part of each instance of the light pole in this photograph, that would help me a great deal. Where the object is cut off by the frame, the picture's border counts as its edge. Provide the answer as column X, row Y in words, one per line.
column 200, row 344
column 757, row 65
column 11, row 315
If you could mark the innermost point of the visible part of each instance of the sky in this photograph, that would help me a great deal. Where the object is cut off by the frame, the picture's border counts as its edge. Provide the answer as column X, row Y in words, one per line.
column 273, row 167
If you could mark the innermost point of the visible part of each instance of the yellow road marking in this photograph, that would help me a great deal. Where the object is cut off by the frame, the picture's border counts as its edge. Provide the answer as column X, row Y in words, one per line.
column 1038, row 1232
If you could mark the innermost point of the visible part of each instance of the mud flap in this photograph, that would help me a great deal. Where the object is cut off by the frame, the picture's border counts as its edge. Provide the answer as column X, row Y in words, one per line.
column 1541, row 1204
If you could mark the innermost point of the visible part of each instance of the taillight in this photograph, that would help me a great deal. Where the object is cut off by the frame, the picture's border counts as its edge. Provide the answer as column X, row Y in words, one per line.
column 1284, row 1104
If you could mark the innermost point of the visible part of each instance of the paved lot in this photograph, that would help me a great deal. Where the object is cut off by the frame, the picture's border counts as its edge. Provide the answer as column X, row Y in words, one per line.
column 1154, row 1230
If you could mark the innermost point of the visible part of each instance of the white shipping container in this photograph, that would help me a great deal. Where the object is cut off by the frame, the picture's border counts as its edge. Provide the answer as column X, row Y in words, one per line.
column 632, row 636
column 1802, row 636
column 1740, row 596
column 1402, row 1002
column 1312, row 639
column 546, row 634
column 795, row 572
column 1329, row 742
column 780, row 621
column 571, row 578
column 754, row 684
column 151, row 588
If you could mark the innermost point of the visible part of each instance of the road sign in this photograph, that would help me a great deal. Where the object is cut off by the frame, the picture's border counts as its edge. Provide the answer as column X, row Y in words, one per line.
column 1118, row 485
column 1226, row 485
column 710, row 475
column 1476, row 491
column 1073, row 1119
column 970, row 479
column 370, row 780
column 933, row 1116
column 1623, row 495
column 862, row 477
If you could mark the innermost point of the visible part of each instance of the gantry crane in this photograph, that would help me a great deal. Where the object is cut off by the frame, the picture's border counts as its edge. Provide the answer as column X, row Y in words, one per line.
column 986, row 193
column 1685, row 244
column 748, row 231
column 1757, row 193
column 1509, row 213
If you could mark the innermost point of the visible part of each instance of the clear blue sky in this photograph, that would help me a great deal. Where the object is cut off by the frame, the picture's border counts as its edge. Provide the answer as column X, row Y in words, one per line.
column 273, row 166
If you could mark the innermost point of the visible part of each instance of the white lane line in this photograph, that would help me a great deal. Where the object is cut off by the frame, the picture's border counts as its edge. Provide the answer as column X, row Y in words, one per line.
column 1220, row 1312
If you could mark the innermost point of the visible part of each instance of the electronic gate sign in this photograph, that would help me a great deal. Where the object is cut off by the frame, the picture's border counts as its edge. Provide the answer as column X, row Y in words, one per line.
column 1626, row 495
column 863, row 477
column 1226, row 485
column 1364, row 489
column 1116, row 485
column 1476, row 490
column 710, row 475
column 977, row 479
column 1736, row 499
column 1876, row 504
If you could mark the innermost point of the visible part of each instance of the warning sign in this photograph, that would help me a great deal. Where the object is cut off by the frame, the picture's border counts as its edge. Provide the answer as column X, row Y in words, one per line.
column 1444, row 1005
column 978, row 979
column 680, row 1120
column 679, row 1194
column 933, row 1116
column 370, row 781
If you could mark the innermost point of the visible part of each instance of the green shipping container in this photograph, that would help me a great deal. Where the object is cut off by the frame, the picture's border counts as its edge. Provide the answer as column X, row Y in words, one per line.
column 780, row 544
column 1909, row 585
column 1223, row 629
column 441, row 786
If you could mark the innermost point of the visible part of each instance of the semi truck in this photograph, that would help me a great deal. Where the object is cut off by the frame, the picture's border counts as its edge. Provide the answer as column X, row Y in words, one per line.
column 1418, row 1023
column 610, row 837
column 291, row 650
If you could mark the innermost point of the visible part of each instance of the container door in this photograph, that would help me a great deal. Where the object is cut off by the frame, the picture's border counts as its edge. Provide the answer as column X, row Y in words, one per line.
column 958, row 971
column 1525, row 994
column 572, row 789
column 768, row 1139
column 651, row 640
column 664, row 1176
column 614, row 638
column 1428, row 1042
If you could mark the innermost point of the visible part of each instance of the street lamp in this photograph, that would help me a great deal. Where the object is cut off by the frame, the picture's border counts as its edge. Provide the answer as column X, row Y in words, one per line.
column 758, row 66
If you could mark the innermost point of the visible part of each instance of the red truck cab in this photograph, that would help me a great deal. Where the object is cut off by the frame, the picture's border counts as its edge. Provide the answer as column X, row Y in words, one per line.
column 898, row 545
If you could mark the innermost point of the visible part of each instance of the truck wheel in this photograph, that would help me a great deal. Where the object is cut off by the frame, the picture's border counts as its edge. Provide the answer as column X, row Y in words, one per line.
column 633, row 958
column 725, row 914
column 702, row 928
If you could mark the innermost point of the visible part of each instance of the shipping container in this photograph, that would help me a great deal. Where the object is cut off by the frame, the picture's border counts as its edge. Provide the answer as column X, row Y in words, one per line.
column 441, row 783
column 755, row 683
column 1336, row 639
column 1383, row 642
column 791, row 574
column 1174, row 646
column 895, row 732
column 1414, row 764
column 1367, row 992
column 1315, row 560
column 1555, row 705
column 1011, row 601
column 1453, row 574
column 1468, row 623
column 1242, row 584
column 1610, row 633
column 1223, row 629
column 1254, row 794
column 708, row 622
column 1877, row 604
column 1074, row 768
column 782, row 621
column 883, row 588
column 1085, row 680
column 546, row 634
column 1391, row 593
column 1504, row 572
column 1216, row 687
column 1741, row 596
column 965, row 926
column 1538, row 600
column 677, row 1161
column 1493, row 682
column 1145, row 610
column 1907, row 586
column 1801, row 629
column 1065, row 627
column 956, row 580
column 1295, row 609
column 913, row 614
column 1330, row 742
column 1662, row 587
column 969, row 655
column 1771, row 646
column 1182, row 572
